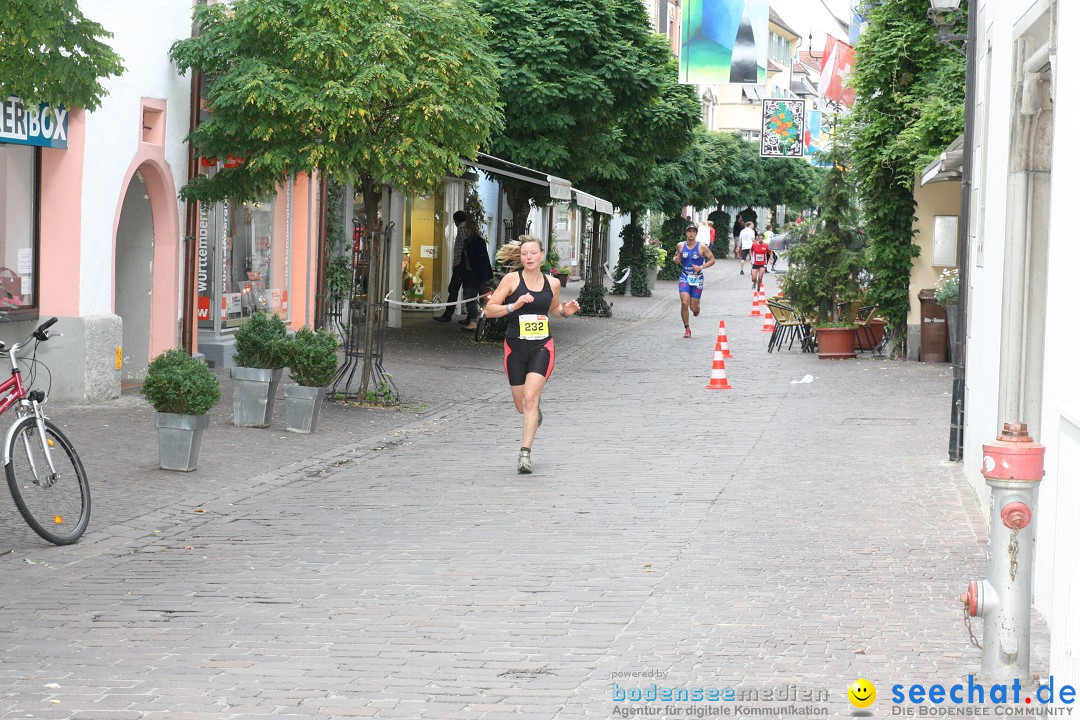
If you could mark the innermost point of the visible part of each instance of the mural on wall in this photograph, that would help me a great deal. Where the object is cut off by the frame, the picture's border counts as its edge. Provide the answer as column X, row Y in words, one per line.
column 724, row 41
column 783, row 124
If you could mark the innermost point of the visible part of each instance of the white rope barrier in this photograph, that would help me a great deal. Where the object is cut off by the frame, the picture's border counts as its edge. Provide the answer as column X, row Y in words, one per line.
column 433, row 306
column 621, row 280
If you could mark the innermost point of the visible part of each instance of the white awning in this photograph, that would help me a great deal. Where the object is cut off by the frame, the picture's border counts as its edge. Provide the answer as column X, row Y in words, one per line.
column 558, row 187
column 585, row 200
column 948, row 166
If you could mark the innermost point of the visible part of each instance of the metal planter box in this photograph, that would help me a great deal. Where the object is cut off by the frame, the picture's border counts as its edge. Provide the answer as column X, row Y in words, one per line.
column 302, row 405
column 254, row 390
column 179, row 440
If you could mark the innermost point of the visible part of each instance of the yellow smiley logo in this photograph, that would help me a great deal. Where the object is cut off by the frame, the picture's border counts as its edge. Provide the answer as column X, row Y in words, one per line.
column 862, row 693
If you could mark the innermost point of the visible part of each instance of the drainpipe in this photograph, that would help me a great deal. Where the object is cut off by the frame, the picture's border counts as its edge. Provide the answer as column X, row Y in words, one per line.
column 188, row 313
column 956, row 424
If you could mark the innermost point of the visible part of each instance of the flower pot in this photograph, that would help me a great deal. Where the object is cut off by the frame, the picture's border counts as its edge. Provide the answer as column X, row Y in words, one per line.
column 650, row 276
column 254, row 390
column 179, row 440
column 563, row 278
column 302, row 405
column 952, row 317
column 835, row 343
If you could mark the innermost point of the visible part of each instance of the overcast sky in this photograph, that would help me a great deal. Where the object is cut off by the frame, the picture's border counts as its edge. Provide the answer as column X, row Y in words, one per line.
column 812, row 16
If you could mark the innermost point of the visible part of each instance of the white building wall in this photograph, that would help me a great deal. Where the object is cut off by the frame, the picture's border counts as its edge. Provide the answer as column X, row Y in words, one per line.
column 1057, row 562
column 142, row 37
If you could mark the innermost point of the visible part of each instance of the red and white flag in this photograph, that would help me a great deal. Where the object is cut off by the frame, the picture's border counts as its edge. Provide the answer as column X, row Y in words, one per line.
column 836, row 66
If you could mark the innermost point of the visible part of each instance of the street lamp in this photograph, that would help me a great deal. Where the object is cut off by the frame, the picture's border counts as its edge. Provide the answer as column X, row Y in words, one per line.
column 942, row 14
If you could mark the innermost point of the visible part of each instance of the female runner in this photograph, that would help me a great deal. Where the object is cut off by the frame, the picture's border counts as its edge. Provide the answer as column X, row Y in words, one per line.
column 527, row 296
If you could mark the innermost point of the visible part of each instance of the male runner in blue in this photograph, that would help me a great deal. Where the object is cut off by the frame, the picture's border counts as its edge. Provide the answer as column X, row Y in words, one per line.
column 693, row 257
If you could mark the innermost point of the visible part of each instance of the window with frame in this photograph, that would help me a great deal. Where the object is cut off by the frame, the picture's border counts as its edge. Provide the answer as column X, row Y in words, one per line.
column 19, row 193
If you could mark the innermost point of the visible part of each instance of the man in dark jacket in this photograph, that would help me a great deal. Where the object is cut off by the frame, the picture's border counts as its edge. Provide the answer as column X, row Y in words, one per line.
column 459, row 263
column 476, row 272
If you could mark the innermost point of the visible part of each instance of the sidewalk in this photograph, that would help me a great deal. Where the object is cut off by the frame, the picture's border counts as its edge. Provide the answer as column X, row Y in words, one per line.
column 393, row 564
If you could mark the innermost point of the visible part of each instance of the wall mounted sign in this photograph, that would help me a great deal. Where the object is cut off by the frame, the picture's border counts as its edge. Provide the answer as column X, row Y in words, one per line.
column 42, row 125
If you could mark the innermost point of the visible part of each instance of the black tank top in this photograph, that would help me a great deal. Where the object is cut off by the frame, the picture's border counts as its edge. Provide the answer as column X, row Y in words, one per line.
column 540, row 305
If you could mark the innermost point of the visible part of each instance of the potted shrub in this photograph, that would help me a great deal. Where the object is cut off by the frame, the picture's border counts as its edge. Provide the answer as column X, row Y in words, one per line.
column 313, row 362
column 182, row 390
column 563, row 273
column 262, row 345
column 947, row 295
column 654, row 258
column 825, row 263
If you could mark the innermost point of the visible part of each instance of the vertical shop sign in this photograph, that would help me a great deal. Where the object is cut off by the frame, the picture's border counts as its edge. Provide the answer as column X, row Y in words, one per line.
column 205, row 267
column 42, row 125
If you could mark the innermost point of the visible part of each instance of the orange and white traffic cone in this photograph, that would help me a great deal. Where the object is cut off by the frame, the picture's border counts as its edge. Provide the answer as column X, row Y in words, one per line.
column 769, row 325
column 756, row 309
column 722, row 342
column 718, row 378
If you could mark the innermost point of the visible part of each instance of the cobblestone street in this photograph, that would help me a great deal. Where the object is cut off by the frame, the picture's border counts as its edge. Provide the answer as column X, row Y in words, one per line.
column 393, row 564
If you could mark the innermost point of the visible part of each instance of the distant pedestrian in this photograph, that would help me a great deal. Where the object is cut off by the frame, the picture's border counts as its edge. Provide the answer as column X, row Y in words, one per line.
column 703, row 233
column 759, row 258
column 693, row 257
column 476, row 272
column 458, row 267
column 767, row 235
column 746, row 240
column 527, row 297
column 712, row 233
column 736, row 230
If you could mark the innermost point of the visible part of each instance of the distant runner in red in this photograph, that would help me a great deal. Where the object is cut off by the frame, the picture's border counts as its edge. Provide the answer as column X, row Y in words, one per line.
column 759, row 258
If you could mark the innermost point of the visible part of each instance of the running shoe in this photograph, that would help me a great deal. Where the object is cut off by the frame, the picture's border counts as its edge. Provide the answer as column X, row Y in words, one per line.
column 524, row 465
column 686, row 333
column 441, row 318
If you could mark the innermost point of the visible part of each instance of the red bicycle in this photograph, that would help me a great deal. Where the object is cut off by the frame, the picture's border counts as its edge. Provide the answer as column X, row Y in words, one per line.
column 43, row 470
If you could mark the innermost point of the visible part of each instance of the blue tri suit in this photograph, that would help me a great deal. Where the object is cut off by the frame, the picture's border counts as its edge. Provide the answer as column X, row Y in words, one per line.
column 689, row 281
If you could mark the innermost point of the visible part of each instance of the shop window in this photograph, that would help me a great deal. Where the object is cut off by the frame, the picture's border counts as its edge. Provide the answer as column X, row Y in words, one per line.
column 18, row 227
column 256, row 263
column 426, row 249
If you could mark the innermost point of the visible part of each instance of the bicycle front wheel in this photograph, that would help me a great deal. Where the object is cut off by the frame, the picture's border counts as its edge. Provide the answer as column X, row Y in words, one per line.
column 54, row 500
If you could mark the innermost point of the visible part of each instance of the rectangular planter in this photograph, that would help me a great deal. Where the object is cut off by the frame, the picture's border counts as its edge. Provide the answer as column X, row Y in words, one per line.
column 302, row 405
column 179, row 440
column 254, row 390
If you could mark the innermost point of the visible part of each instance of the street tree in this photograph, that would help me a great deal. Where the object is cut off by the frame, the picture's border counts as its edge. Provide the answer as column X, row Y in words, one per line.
column 653, row 117
column 910, row 107
column 50, row 52
column 372, row 93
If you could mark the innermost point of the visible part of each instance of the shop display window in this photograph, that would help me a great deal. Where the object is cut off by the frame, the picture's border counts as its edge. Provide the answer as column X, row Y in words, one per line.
column 425, row 249
column 255, row 272
column 18, row 226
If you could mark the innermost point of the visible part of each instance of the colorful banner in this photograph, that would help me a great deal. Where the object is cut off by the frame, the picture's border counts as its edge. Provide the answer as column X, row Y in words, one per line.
column 836, row 66
column 783, row 123
column 724, row 41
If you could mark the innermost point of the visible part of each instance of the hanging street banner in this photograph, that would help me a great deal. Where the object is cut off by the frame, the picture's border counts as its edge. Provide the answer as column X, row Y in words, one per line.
column 724, row 41
column 836, row 66
column 783, row 124
column 42, row 124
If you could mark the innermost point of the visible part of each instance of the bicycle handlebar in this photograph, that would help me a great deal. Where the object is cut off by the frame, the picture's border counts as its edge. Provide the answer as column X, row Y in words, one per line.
column 41, row 333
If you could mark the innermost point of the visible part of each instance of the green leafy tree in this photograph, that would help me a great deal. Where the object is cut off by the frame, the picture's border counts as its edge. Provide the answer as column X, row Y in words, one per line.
column 51, row 52
column 825, row 261
column 910, row 107
column 372, row 93
column 592, row 95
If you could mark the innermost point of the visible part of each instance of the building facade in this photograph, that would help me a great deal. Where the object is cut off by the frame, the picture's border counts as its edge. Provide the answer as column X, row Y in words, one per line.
column 92, row 230
column 1021, row 357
